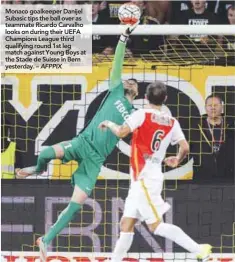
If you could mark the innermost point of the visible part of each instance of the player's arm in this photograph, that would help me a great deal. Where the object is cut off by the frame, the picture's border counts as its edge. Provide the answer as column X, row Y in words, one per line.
column 134, row 121
column 178, row 138
column 183, row 150
column 117, row 130
column 115, row 78
column 174, row 161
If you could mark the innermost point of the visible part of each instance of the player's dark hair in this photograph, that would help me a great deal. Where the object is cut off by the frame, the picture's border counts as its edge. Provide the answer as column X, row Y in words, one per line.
column 133, row 79
column 156, row 93
column 214, row 96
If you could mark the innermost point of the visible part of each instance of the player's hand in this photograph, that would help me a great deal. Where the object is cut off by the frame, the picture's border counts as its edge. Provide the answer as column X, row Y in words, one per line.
column 103, row 125
column 131, row 28
column 171, row 161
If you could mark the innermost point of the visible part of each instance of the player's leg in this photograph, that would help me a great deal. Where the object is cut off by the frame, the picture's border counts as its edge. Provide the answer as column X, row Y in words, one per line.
column 177, row 235
column 128, row 221
column 75, row 204
column 125, row 240
column 48, row 154
column 51, row 152
column 84, row 180
column 154, row 207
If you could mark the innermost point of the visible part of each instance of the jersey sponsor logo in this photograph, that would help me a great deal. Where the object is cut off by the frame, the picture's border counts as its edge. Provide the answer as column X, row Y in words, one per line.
column 122, row 109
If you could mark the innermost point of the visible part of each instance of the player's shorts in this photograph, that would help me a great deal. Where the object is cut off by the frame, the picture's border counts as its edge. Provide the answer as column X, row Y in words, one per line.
column 144, row 201
column 89, row 161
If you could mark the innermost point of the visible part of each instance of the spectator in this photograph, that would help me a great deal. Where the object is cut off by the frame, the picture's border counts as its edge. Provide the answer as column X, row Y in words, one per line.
column 176, row 8
column 110, row 8
column 229, row 41
column 139, row 44
column 198, row 15
column 104, row 10
column 219, row 8
column 14, row 2
column 156, row 9
column 100, row 44
column 231, row 15
column 212, row 144
column 159, row 10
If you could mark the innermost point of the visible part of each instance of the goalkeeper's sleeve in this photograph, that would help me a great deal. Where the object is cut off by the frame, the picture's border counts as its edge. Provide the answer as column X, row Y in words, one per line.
column 116, row 73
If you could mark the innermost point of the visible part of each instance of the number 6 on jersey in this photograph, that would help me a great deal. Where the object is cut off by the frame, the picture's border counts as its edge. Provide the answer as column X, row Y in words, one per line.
column 157, row 139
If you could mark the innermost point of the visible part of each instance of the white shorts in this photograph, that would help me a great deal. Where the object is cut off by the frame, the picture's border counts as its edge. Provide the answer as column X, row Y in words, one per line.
column 144, row 201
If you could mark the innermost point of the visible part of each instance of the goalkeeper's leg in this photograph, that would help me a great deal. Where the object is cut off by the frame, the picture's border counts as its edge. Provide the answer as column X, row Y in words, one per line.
column 83, row 185
column 48, row 154
column 75, row 204
column 125, row 240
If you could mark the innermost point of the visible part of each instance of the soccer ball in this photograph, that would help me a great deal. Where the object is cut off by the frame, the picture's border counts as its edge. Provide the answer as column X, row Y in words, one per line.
column 129, row 14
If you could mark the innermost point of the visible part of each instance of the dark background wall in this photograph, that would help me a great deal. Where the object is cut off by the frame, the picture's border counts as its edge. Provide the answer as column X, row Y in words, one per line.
column 205, row 212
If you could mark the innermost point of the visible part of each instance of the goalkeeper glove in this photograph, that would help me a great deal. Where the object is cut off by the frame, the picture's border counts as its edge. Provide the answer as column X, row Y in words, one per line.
column 131, row 28
column 128, row 31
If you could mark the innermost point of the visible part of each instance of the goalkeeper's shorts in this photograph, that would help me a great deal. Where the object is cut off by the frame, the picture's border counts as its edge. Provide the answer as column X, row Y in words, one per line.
column 89, row 163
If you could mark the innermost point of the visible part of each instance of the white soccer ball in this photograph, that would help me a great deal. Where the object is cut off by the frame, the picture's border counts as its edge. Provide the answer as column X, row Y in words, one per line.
column 129, row 14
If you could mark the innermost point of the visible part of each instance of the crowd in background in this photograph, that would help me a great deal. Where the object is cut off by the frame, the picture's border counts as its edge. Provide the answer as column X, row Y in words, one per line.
column 192, row 12
column 195, row 12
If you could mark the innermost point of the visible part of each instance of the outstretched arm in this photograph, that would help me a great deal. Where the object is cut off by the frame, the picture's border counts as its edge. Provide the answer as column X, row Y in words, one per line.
column 115, row 78
column 117, row 130
column 134, row 121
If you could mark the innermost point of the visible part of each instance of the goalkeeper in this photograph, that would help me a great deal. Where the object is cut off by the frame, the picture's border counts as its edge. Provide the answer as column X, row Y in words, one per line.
column 92, row 146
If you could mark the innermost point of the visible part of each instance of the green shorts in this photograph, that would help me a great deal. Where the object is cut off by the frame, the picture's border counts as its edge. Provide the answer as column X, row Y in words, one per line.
column 90, row 163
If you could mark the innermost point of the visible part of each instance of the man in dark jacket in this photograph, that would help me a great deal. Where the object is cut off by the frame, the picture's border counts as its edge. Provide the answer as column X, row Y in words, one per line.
column 212, row 144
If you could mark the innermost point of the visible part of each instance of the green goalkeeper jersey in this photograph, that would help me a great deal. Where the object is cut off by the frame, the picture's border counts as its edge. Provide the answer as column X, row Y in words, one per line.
column 114, row 107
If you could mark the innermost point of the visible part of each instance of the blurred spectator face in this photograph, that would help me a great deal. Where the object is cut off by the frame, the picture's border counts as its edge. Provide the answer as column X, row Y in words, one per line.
column 103, row 5
column 131, row 88
column 95, row 8
column 140, row 4
column 231, row 16
column 214, row 107
column 199, row 4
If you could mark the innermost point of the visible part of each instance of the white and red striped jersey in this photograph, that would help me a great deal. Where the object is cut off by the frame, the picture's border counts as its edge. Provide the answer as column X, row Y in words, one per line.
column 153, row 131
